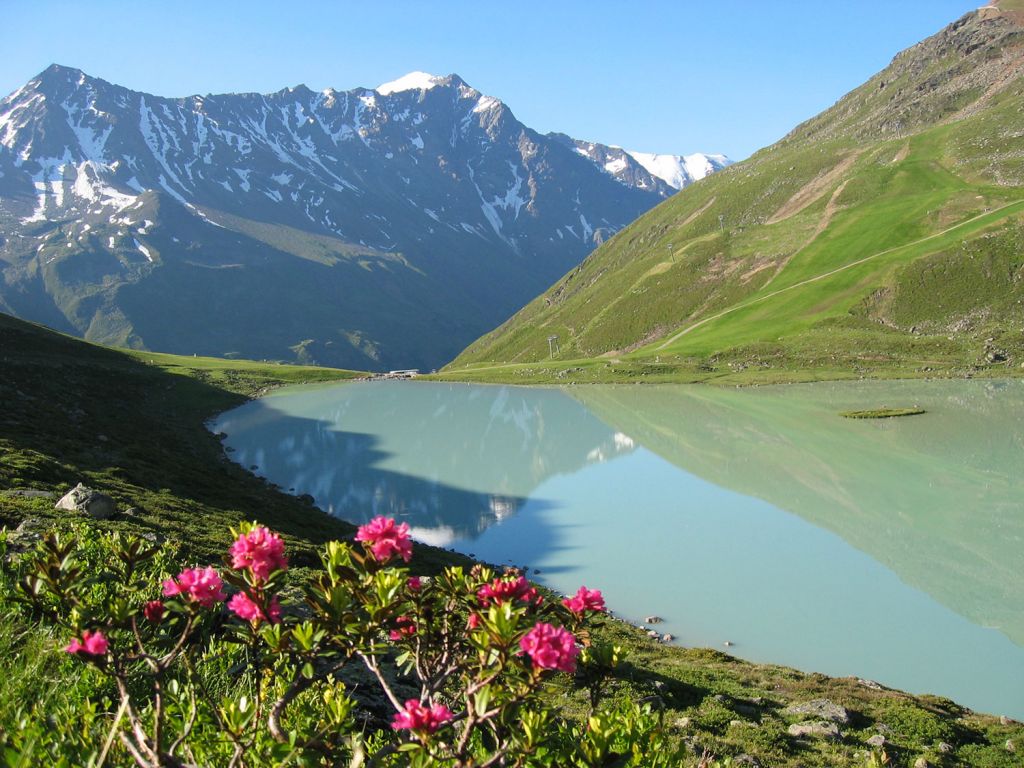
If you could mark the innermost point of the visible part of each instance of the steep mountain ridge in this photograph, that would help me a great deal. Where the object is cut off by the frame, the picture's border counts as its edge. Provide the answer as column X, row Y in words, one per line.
column 364, row 228
column 882, row 233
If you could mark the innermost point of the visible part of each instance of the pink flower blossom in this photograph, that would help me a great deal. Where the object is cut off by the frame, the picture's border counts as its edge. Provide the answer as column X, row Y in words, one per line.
column 420, row 719
column 506, row 588
column 404, row 627
column 474, row 621
column 153, row 611
column 91, row 644
column 585, row 600
column 550, row 647
column 386, row 539
column 247, row 609
column 199, row 585
column 415, row 583
column 259, row 550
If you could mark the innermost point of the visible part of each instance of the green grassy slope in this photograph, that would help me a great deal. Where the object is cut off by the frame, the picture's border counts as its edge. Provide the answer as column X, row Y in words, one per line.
column 131, row 425
column 881, row 234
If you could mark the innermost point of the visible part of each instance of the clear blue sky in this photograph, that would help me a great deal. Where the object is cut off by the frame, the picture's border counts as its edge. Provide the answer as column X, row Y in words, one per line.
column 677, row 77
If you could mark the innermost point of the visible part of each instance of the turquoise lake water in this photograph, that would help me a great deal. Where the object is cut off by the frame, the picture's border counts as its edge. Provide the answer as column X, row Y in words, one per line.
column 891, row 550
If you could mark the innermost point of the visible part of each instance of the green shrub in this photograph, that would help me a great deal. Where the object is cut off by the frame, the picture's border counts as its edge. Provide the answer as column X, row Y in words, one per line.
column 373, row 668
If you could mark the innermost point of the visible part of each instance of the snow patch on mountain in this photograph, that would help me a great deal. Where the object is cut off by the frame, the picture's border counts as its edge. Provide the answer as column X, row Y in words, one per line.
column 615, row 166
column 143, row 250
column 92, row 141
column 678, row 171
column 700, row 165
column 89, row 186
column 485, row 103
column 414, row 81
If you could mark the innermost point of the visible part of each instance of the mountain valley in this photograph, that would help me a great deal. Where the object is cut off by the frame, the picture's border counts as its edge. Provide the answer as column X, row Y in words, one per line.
column 367, row 229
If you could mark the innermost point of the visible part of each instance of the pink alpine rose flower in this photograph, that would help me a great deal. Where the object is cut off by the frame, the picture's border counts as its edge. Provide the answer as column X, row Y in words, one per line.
column 585, row 600
column 248, row 610
column 198, row 585
column 404, row 627
column 153, row 611
column 415, row 583
column 259, row 550
column 90, row 644
column 385, row 539
column 504, row 589
column 550, row 647
column 420, row 719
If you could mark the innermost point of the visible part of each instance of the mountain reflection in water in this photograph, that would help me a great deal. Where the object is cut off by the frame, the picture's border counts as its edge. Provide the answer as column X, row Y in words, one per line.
column 888, row 549
column 449, row 460
column 936, row 498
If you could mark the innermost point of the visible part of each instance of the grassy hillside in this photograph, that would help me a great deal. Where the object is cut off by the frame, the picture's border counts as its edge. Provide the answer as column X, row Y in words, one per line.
column 131, row 424
column 881, row 237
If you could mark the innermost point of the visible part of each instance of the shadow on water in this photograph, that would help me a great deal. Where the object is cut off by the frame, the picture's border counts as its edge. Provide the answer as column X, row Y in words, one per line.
column 451, row 462
column 342, row 472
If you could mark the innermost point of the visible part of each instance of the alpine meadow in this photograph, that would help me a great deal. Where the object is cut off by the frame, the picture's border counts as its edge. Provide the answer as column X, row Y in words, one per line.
column 880, row 238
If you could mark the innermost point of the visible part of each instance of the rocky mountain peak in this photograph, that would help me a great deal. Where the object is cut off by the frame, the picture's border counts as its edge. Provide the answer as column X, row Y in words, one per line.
column 435, row 212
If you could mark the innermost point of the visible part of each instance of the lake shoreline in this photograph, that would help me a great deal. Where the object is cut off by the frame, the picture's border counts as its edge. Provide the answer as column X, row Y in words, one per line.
column 591, row 371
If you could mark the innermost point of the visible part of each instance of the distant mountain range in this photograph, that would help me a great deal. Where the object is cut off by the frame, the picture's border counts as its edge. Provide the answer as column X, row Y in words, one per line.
column 662, row 173
column 363, row 229
column 884, row 236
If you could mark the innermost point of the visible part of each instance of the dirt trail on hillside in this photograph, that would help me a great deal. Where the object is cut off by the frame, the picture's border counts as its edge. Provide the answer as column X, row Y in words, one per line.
column 690, row 219
column 828, row 274
column 813, row 190
column 831, row 208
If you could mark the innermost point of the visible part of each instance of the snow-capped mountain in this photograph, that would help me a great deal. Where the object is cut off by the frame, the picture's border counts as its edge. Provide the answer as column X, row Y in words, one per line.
column 366, row 228
column 680, row 171
column 662, row 174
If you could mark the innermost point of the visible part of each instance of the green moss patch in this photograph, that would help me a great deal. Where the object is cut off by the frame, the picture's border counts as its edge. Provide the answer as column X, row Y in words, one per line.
column 882, row 413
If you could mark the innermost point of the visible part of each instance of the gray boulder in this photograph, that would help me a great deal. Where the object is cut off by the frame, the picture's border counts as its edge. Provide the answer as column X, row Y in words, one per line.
column 96, row 505
column 821, row 709
column 822, row 729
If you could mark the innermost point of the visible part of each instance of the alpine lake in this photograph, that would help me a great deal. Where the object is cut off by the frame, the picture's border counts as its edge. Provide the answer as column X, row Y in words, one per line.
column 757, row 521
